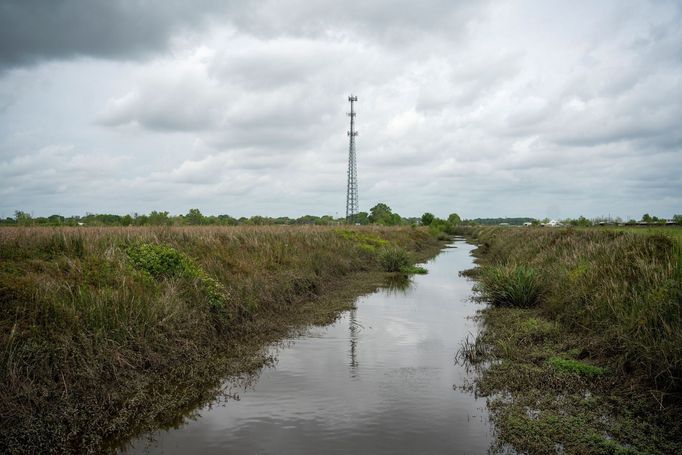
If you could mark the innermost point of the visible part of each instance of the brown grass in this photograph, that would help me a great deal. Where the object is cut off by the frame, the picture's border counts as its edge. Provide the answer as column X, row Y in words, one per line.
column 93, row 347
column 595, row 364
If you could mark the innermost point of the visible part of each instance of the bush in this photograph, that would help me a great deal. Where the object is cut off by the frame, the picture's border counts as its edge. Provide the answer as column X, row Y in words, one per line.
column 510, row 286
column 162, row 261
column 394, row 259
column 157, row 260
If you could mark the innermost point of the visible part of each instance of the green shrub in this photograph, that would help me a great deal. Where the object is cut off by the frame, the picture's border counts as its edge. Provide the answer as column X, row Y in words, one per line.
column 394, row 259
column 163, row 261
column 510, row 285
column 158, row 260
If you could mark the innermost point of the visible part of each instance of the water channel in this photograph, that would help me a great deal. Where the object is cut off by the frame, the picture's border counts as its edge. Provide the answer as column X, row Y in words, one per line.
column 381, row 379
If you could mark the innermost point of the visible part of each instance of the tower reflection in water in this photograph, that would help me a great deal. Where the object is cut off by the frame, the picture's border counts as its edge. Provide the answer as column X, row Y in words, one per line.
column 394, row 285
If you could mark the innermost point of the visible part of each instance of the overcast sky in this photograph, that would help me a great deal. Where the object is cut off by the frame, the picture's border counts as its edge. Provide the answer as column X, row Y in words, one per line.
column 508, row 108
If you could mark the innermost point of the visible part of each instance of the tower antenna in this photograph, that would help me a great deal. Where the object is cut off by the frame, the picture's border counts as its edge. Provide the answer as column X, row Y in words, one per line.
column 352, row 188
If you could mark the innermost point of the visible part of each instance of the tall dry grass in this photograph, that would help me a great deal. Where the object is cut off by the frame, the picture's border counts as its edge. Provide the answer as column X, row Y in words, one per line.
column 622, row 289
column 92, row 318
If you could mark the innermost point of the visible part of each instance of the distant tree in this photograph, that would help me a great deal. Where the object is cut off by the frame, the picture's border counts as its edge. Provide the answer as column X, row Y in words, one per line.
column 306, row 219
column 55, row 219
column 259, row 220
column 393, row 220
column 23, row 218
column 126, row 220
column 677, row 219
column 581, row 221
column 454, row 219
column 324, row 220
column 227, row 220
column 194, row 217
column 646, row 218
column 380, row 214
column 427, row 218
column 362, row 218
column 159, row 218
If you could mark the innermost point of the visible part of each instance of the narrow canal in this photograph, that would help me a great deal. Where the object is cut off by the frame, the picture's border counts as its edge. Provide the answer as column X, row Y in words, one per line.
column 381, row 379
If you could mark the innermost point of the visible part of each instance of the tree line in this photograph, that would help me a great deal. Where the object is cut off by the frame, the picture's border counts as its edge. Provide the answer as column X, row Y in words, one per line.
column 379, row 214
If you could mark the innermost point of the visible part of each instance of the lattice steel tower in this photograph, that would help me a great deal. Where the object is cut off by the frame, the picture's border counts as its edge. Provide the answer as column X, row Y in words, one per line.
column 352, row 188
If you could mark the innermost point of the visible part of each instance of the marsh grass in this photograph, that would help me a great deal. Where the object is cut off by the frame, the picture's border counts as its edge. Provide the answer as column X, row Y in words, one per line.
column 624, row 288
column 394, row 259
column 104, row 330
column 510, row 285
column 545, row 389
column 594, row 366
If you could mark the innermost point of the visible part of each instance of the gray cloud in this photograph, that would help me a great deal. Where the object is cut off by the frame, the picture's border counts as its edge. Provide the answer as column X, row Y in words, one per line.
column 35, row 30
column 515, row 108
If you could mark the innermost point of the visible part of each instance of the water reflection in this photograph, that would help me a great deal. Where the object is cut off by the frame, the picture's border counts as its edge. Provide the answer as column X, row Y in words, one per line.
column 397, row 284
column 379, row 380
column 353, row 328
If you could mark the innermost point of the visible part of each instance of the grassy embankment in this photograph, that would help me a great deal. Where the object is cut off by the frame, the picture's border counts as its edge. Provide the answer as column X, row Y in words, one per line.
column 105, row 332
column 582, row 342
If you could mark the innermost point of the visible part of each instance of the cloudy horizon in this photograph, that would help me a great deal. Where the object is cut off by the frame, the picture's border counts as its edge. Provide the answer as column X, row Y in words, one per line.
column 487, row 109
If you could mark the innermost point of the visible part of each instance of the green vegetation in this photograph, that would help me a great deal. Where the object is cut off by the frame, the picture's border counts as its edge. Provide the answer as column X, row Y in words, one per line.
column 624, row 288
column 193, row 217
column 497, row 221
column 510, row 285
column 427, row 218
column 162, row 261
column 380, row 214
column 595, row 364
column 414, row 270
column 105, row 332
column 394, row 259
column 575, row 366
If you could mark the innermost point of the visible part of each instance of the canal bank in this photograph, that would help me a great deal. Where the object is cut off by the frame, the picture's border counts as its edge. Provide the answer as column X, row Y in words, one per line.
column 579, row 352
column 114, row 331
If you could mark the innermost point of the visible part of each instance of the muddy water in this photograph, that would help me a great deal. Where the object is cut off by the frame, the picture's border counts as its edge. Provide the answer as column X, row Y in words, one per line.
column 382, row 379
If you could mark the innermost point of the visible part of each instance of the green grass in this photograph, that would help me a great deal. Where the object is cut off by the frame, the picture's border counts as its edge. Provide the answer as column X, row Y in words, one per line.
column 414, row 270
column 575, row 366
column 510, row 285
column 394, row 259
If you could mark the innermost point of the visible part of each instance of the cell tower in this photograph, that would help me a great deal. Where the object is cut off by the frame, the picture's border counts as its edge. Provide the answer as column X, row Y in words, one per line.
column 352, row 189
